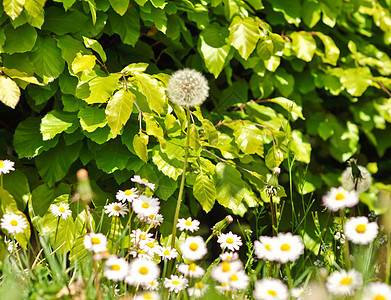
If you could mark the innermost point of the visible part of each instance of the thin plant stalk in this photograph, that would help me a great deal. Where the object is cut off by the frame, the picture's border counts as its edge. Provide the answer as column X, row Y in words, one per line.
column 346, row 250
column 289, row 275
column 325, row 231
column 181, row 188
column 388, row 267
column 58, row 224
column 273, row 213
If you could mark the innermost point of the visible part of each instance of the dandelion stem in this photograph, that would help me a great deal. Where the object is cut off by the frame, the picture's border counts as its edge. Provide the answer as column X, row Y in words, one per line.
column 179, row 201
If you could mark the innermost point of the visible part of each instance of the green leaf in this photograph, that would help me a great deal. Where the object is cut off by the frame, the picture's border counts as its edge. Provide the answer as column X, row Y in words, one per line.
column 114, row 157
column 248, row 137
column 284, row 82
column 100, row 135
column 325, row 130
column 204, row 191
column 230, row 188
column 170, row 167
column 265, row 48
column 244, row 35
column 166, row 187
column 92, row 117
column 300, row 146
column 19, row 40
column 8, row 205
column 290, row 9
column 118, row 110
column 331, row 51
column 41, row 94
column 47, row 58
column 17, row 74
column 274, row 157
column 94, row 45
column 17, row 185
column 290, row 106
column 304, row 45
column 54, row 164
column 83, row 62
column 34, row 7
column 154, row 128
column 56, row 122
column 101, row 88
column 153, row 90
column 42, row 196
column 127, row 26
column 214, row 58
column 13, row 8
column 9, row 91
column 356, row 80
column 60, row 22
column 28, row 140
column 140, row 142
column 210, row 132
column 119, row 6
column 311, row 12
column 156, row 16
column 70, row 47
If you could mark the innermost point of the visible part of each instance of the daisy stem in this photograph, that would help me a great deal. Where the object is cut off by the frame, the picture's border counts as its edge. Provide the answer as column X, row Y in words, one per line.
column 388, row 268
column 97, row 281
column 115, row 225
column 346, row 244
column 289, row 275
column 58, row 223
column 164, row 268
column 324, row 232
column 1, row 180
column 273, row 213
column 130, row 222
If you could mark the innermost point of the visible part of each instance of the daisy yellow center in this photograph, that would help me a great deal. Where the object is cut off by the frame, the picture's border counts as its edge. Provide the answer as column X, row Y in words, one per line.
column 267, row 247
column 143, row 270
column 115, row 267
column 361, row 228
column 379, row 297
column 14, row 223
column 192, row 267
column 142, row 251
column 144, row 179
column 339, row 196
column 95, row 241
column 151, row 245
column 1, row 164
column 176, row 282
column 193, row 246
column 166, row 252
column 142, row 237
column 346, row 280
column 272, row 292
column 285, row 247
column 116, row 208
column 145, row 205
column 230, row 240
column 147, row 296
column 61, row 209
column 226, row 267
column 151, row 217
column 128, row 192
column 234, row 277
column 188, row 223
column 199, row 285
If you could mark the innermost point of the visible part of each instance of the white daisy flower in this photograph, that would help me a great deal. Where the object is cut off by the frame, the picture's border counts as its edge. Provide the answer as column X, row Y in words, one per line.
column 95, row 242
column 265, row 248
column 223, row 289
column 62, row 210
column 348, row 181
column 154, row 219
column 11, row 245
column 239, row 280
column 6, row 166
column 198, row 290
column 360, row 231
column 230, row 241
column 193, row 248
column 339, row 198
column 115, row 268
column 152, row 285
column 223, row 271
column 13, row 223
column 229, row 256
column 377, row 291
column 151, row 247
column 143, row 181
column 301, row 293
column 175, row 283
column 187, row 87
column 98, row 256
column 288, row 247
column 147, row 295
column 145, row 206
column 116, row 209
column 191, row 270
column 127, row 195
column 141, row 254
column 167, row 253
column 138, row 235
column 344, row 283
column 142, row 272
column 188, row 224
column 270, row 289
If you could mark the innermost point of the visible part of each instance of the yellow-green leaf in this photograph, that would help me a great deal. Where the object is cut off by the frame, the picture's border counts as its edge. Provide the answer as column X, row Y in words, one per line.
column 118, row 110
column 9, row 91
column 101, row 88
column 83, row 62
column 204, row 191
column 154, row 92
column 34, row 7
column 140, row 142
column 331, row 51
column 13, row 8
column 304, row 45
column 244, row 35
column 290, row 106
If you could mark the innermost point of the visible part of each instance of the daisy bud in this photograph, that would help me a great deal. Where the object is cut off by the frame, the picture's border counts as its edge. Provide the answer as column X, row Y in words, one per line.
column 84, row 191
